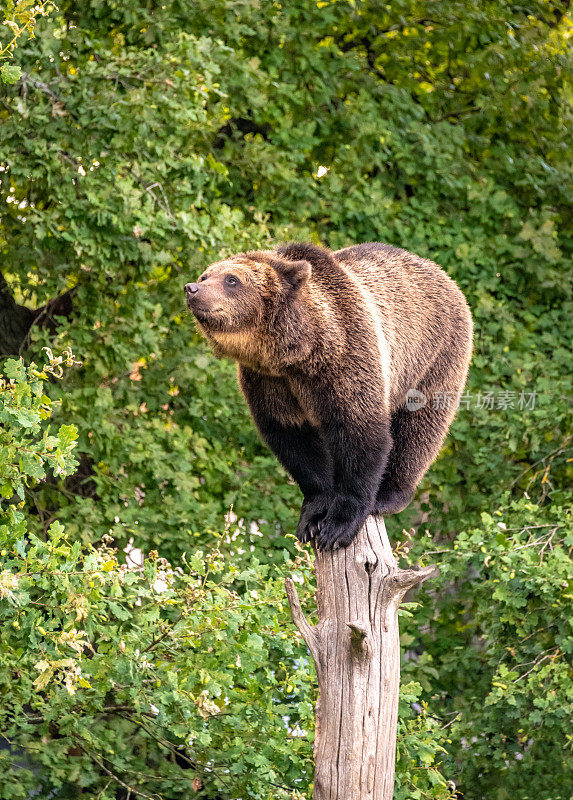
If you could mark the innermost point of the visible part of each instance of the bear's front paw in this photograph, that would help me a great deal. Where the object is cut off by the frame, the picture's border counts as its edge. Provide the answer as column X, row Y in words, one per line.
column 311, row 512
column 341, row 523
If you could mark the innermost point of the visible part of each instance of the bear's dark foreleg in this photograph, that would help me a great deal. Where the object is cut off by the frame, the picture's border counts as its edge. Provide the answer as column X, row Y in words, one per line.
column 297, row 445
column 359, row 454
column 301, row 452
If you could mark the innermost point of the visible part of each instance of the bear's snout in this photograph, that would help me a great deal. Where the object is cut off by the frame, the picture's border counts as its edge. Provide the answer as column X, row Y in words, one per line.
column 191, row 290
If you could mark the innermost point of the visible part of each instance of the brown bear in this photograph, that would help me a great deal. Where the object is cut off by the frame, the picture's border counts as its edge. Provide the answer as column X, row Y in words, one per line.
column 351, row 363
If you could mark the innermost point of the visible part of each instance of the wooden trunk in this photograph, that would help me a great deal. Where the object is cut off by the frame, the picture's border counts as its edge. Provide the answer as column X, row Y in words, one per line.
column 356, row 651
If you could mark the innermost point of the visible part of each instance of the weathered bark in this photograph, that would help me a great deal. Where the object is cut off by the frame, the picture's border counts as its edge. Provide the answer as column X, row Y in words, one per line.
column 356, row 651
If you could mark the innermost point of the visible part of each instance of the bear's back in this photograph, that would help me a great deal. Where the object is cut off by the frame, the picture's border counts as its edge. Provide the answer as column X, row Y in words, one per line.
column 420, row 307
column 395, row 276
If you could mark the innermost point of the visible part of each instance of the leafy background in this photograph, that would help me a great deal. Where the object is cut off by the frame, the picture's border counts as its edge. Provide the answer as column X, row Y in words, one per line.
column 139, row 142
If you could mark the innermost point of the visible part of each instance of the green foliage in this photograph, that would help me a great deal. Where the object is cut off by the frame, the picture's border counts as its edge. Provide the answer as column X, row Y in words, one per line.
column 19, row 18
column 27, row 448
column 165, row 679
column 132, row 672
column 143, row 141
column 503, row 649
column 419, row 748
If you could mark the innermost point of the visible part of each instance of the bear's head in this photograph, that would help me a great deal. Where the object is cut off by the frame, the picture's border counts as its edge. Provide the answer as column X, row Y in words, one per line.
column 246, row 305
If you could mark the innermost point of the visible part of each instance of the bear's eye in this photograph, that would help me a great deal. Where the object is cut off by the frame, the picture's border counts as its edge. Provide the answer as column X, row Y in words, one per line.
column 202, row 278
column 230, row 280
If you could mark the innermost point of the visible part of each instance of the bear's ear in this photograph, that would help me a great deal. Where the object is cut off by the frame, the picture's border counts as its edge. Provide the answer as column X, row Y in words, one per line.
column 295, row 273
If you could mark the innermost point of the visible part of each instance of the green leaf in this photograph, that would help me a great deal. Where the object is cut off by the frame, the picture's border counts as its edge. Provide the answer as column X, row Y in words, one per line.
column 14, row 368
column 10, row 73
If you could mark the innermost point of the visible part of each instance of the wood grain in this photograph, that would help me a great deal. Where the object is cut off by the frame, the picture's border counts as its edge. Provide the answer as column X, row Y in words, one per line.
column 355, row 648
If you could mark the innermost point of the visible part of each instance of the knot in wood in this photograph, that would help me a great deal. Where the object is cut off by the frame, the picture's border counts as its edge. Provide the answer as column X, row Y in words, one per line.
column 359, row 636
column 368, row 560
column 370, row 565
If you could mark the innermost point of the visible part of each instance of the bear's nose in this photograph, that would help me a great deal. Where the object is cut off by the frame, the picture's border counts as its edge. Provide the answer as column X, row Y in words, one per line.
column 191, row 288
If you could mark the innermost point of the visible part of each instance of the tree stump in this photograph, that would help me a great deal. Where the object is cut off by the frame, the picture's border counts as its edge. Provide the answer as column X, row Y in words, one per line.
column 356, row 652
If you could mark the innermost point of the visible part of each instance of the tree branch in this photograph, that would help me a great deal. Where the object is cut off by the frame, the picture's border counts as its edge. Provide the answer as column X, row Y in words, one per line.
column 15, row 321
column 308, row 632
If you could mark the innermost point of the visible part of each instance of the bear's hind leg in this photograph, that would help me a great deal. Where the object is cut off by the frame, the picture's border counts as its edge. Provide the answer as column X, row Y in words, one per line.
column 418, row 431
column 417, row 437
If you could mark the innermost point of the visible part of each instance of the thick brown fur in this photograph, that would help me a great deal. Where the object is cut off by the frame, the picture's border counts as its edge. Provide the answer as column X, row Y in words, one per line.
column 328, row 346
